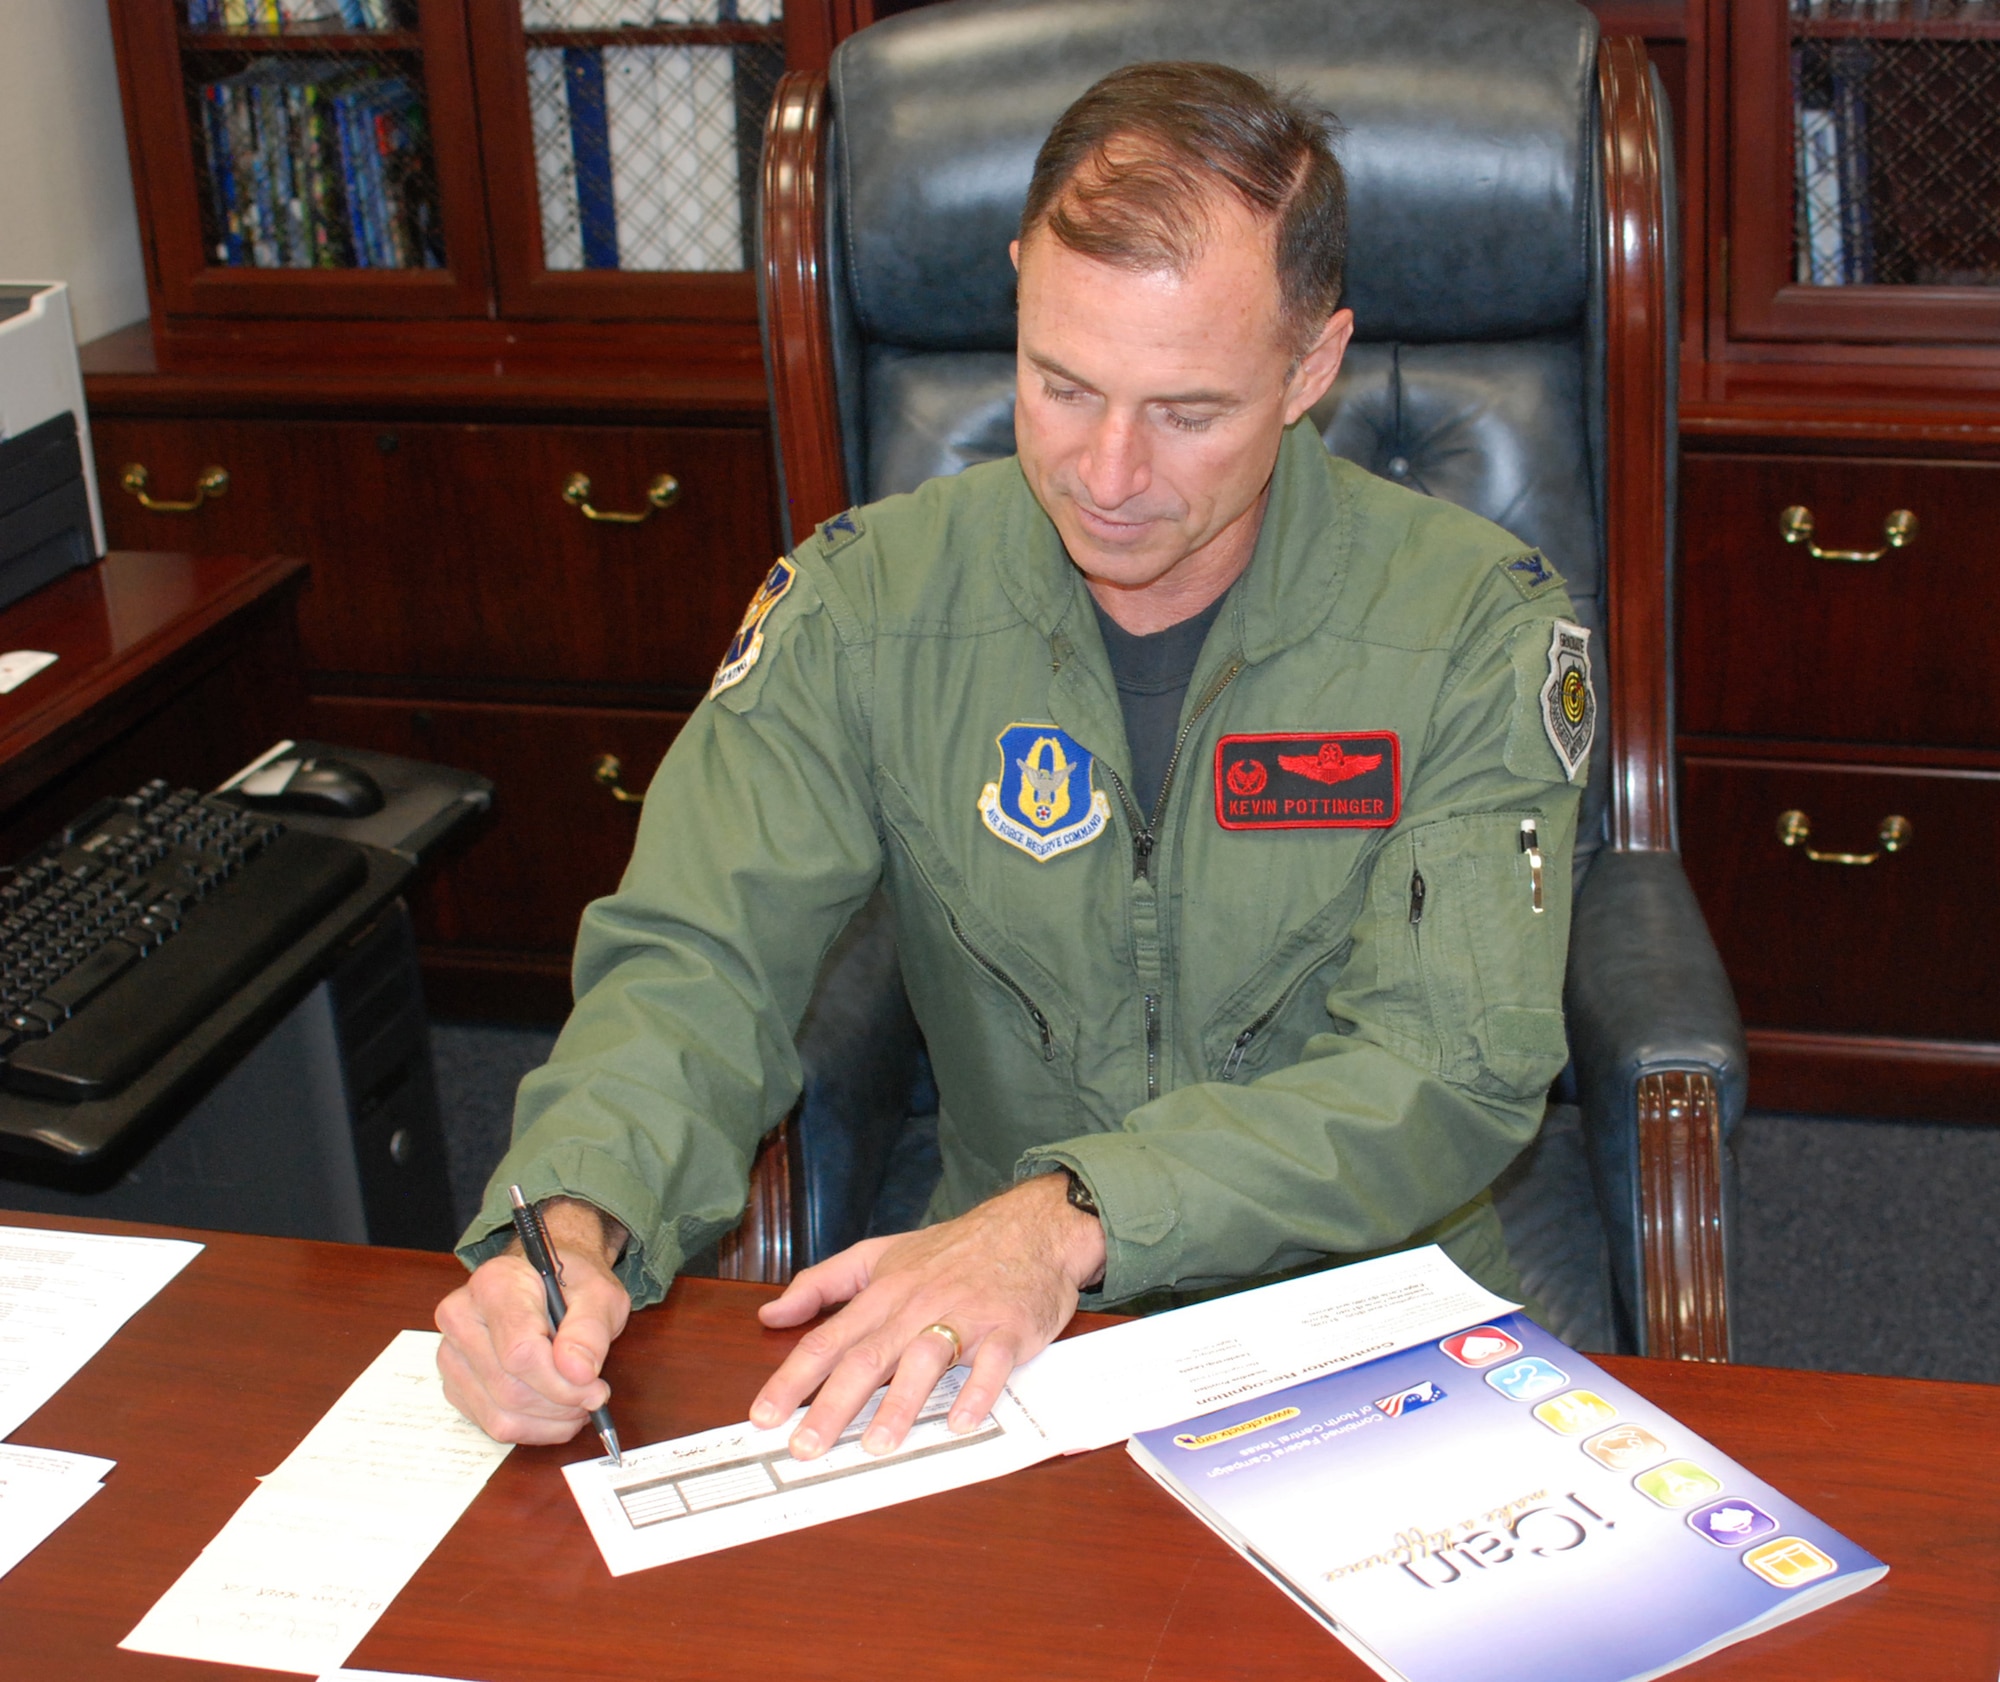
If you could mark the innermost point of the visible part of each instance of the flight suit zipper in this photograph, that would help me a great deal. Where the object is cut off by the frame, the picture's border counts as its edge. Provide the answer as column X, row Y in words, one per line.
column 1145, row 830
column 1007, row 981
column 1241, row 1044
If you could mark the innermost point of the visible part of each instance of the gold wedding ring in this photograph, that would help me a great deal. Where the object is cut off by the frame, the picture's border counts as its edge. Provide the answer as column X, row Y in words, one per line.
column 940, row 1329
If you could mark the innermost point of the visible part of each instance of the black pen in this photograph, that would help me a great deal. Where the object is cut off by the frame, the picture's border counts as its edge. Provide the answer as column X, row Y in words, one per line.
column 542, row 1258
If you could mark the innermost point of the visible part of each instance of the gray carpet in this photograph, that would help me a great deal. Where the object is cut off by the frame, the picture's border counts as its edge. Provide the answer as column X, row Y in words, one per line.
column 1864, row 1246
column 478, row 1066
column 1869, row 1246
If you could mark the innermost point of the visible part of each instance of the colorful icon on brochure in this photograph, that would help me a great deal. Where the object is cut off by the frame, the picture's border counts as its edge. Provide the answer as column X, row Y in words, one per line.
column 1679, row 1483
column 1732, row 1522
column 1624, row 1447
column 1575, row 1413
column 1528, row 1379
column 1481, row 1346
column 1789, row 1562
column 1408, row 1401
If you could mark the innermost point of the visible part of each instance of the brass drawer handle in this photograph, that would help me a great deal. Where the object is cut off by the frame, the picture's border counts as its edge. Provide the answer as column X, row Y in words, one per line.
column 607, row 775
column 1892, row 836
column 1899, row 531
column 661, row 493
column 134, row 478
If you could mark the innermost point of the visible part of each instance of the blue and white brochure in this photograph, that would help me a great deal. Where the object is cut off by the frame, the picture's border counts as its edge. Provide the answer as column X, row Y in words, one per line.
column 1492, row 1504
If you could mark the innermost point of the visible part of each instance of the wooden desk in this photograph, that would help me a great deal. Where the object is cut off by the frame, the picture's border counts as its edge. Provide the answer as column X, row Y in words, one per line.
column 1079, row 1568
column 182, row 666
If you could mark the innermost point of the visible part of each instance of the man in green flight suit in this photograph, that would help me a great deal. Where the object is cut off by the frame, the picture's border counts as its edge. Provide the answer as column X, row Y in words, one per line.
column 1224, row 795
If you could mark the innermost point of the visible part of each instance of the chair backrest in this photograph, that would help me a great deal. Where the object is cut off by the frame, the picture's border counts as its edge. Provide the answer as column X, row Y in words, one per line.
column 1509, row 268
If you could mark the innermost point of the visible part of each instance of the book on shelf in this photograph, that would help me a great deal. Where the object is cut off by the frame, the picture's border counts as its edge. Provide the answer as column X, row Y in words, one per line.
column 1822, row 257
column 317, row 163
column 1833, row 182
column 637, row 160
column 275, row 17
column 1850, row 65
column 638, row 14
column 1493, row 1504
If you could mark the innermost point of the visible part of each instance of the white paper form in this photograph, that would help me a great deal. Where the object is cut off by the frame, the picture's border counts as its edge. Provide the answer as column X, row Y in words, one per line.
column 1102, row 1387
column 694, row 1495
column 304, row 1567
column 62, row 1295
column 39, row 1488
column 673, row 1500
column 380, row 1676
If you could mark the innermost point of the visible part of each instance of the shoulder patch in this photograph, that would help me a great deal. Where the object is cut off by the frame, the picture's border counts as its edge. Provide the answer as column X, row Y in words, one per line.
column 748, row 643
column 1531, row 573
column 1569, row 703
column 835, row 534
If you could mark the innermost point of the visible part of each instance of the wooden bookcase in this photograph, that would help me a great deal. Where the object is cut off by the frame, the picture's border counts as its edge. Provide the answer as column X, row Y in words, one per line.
column 1821, row 696
column 416, row 432
column 411, row 433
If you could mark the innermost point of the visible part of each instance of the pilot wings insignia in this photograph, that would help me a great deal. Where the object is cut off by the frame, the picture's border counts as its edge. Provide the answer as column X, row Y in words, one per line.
column 1332, row 764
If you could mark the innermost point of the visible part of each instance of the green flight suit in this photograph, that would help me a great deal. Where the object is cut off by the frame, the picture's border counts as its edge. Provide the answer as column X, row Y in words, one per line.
column 1261, row 1048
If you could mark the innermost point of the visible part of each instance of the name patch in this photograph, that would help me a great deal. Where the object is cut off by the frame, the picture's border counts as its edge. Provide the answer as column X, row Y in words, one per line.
column 1324, row 780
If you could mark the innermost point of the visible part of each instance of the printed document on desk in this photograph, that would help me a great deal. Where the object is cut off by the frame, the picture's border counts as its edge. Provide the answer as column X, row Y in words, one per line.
column 39, row 1488
column 303, row 1568
column 693, row 1495
column 1106, row 1385
column 62, row 1295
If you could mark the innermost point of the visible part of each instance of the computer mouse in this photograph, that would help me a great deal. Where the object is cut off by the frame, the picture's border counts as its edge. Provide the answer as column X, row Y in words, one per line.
column 322, row 787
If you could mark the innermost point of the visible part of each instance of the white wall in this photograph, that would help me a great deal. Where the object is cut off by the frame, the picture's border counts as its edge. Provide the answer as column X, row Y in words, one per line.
column 66, row 210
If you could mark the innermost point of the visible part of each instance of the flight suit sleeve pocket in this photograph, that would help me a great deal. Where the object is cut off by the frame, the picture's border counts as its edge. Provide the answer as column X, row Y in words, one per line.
column 1489, row 966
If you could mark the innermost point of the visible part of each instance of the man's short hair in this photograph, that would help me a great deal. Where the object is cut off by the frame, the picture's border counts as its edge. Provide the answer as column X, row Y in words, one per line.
column 1128, row 171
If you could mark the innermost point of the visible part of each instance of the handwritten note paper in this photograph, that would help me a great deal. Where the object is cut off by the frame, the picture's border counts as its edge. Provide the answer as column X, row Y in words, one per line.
column 39, row 1488
column 305, row 1566
column 62, row 1295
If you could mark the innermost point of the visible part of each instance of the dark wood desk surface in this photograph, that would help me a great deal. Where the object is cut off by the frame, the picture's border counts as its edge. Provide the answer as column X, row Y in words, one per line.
column 184, row 657
column 1077, row 1568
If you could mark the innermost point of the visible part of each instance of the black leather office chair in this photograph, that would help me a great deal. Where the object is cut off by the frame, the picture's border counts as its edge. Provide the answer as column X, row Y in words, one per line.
column 1511, row 274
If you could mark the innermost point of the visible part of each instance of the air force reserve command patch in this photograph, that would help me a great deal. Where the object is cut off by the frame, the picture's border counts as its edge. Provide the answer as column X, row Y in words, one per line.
column 748, row 642
column 1569, row 704
column 1045, row 802
column 1326, row 780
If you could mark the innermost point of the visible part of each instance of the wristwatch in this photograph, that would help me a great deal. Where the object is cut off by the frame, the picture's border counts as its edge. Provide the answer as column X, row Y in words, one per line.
column 1079, row 1195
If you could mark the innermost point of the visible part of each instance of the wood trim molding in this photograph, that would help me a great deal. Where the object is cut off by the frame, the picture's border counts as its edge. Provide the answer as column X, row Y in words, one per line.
column 1636, row 379
column 760, row 1248
column 1680, row 1217
column 800, row 338
column 1859, row 1074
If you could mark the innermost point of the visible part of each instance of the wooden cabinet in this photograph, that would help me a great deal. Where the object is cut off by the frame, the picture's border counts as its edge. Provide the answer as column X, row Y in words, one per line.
column 463, row 610
column 449, row 552
column 1838, row 711
column 435, row 428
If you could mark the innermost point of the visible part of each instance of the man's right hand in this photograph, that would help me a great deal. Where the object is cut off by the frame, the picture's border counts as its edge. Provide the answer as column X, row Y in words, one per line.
column 502, row 1369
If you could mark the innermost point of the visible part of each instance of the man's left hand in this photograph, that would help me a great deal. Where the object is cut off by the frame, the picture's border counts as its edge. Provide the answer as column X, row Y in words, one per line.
column 1004, row 1276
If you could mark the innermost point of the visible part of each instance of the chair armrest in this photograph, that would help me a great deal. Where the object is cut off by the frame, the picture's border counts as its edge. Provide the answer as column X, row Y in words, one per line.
column 817, row 1176
column 1661, row 1078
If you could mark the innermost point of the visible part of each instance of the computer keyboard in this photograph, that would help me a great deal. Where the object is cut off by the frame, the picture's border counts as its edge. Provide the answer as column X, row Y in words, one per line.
column 139, row 918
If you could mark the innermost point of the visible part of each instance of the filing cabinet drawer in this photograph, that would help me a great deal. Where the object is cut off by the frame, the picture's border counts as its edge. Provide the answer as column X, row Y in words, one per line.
column 1776, row 643
column 448, row 552
column 559, row 838
column 1908, row 945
